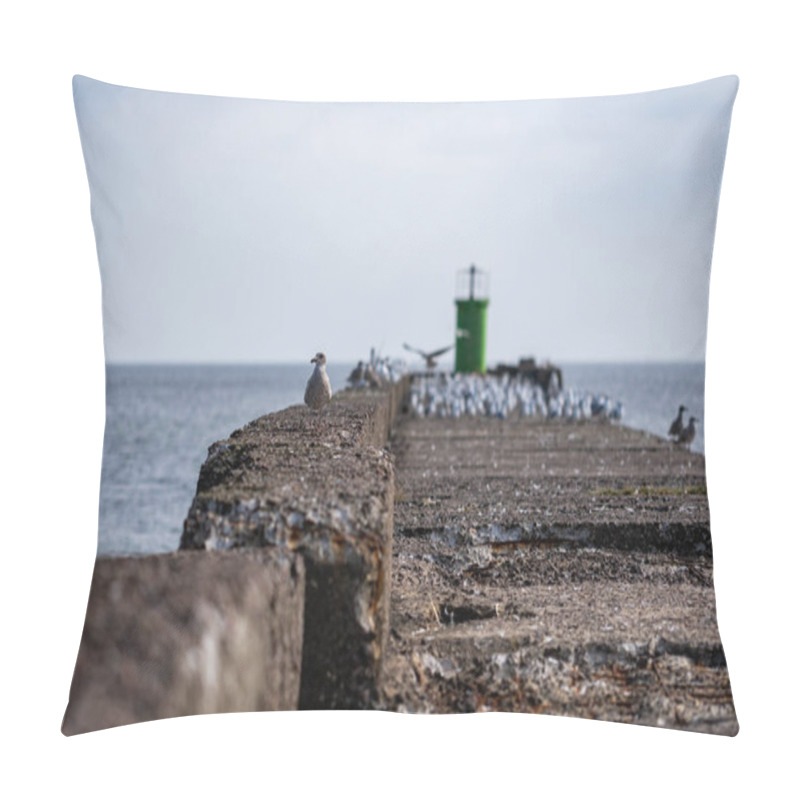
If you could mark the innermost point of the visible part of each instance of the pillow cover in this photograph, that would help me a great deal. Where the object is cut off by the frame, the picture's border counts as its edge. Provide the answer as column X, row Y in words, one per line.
column 475, row 528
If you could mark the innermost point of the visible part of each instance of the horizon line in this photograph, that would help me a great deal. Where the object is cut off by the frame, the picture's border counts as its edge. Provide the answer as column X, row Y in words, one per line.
column 346, row 362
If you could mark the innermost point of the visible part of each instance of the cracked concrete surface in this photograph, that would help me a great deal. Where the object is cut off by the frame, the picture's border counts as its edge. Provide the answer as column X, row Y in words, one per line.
column 553, row 567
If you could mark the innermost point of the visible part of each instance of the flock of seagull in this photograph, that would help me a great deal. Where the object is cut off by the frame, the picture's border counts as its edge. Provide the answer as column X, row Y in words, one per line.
column 503, row 396
column 376, row 372
column 443, row 395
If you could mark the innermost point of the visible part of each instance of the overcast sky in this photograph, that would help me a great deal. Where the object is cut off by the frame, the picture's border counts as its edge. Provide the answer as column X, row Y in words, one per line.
column 260, row 231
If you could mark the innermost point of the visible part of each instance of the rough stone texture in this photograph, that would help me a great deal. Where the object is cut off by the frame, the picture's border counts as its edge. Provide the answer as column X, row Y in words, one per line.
column 316, row 483
column 541, row 476
column 553, row 567
column 188, row 633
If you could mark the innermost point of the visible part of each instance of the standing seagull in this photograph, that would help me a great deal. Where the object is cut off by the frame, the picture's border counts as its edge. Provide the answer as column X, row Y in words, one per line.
column 318, row 388
column 371, row 377
column 676, row 429
column 687, row 434
column 358, row 375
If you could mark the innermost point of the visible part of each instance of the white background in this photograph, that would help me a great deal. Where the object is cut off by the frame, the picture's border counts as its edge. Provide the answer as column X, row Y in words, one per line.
column 53, row 403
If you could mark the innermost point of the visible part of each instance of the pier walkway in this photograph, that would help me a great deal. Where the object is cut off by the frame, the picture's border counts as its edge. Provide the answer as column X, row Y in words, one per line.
column 555, row 567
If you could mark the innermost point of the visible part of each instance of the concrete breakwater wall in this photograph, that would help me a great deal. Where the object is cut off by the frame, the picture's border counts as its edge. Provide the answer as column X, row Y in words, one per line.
column 279, row 596
column 523, row 565
column 188, row 633
column 319, row 485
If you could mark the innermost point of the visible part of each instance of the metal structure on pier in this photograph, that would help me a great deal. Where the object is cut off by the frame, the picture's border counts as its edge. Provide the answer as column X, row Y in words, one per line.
column 472, row 303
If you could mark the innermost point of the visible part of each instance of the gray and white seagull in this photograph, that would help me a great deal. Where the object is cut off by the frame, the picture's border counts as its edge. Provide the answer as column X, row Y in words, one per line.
column 676, row 429
column 318, row 388
column 687, row 434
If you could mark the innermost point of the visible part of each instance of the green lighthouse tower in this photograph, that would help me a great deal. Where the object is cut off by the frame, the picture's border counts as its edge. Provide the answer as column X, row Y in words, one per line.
column 472, row 304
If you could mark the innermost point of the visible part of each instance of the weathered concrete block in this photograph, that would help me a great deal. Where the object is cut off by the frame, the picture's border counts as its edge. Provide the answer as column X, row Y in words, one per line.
column 188, row 633
column 555, row 567
column 316, row 484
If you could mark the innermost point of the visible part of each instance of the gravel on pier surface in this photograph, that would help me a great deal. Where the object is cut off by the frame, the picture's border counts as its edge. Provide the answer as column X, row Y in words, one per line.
column 520, row 471
column 553, row 567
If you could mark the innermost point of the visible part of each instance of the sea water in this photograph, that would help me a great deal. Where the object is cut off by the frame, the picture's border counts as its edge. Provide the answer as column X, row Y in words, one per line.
column 160, row 421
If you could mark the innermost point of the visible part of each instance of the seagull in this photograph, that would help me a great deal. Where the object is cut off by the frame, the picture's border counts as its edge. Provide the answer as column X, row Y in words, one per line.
column 676, row 429
column 358, row 375
column 371, row 377
column 430, row 358
column 687, row 434
column 318, row 388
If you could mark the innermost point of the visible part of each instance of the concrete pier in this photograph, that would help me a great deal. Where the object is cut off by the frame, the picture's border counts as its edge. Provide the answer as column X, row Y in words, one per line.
column 555, row 567
column 320, row 485
column 375, row 560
